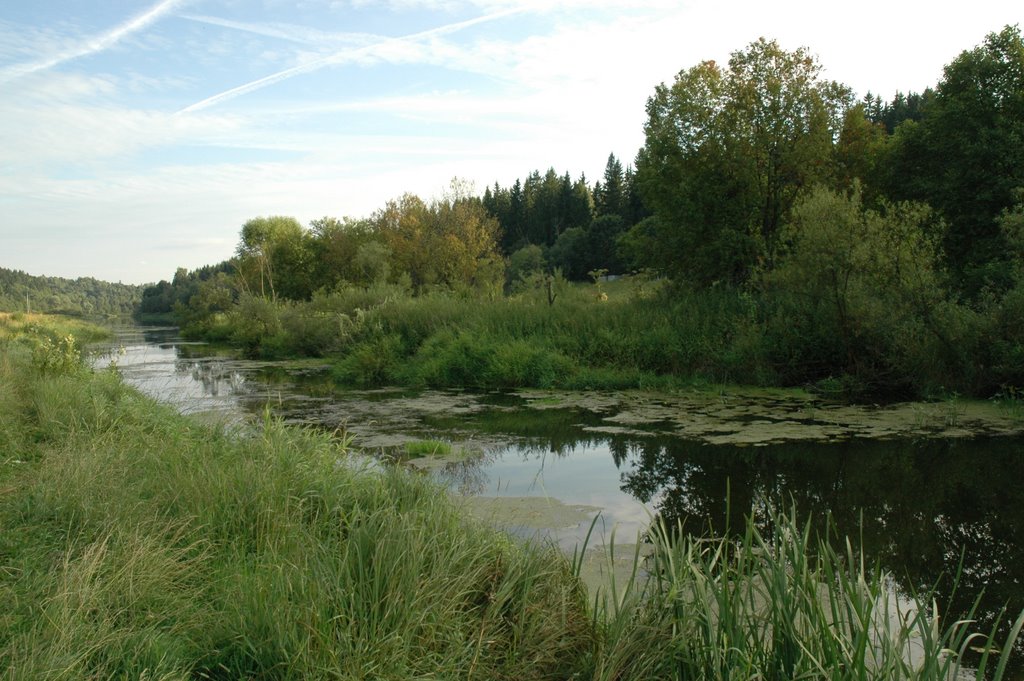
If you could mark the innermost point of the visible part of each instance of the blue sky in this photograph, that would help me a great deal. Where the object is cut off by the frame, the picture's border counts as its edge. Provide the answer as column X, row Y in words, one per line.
column 138, row 136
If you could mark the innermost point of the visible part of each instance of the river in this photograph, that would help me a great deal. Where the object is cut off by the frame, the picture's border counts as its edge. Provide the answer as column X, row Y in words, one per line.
column 927, row 490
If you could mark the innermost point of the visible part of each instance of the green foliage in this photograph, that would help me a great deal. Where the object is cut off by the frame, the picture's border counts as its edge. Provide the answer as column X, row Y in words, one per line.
column 451, row 244
column 372, row 362
column 778, row 603
column 57, row 356
column 569, row 253
column 610, row 197
column 371, row 263
column 601, row 244
column 175, row 296
column 773, row 197
column 856, row 304
column 727, row 153
column 441, row 340
column 640, row 248
column 1011, row 226
column 964, row 156
column 138, row 544
column 254, row 321
column 861, row 287
column 538, row 210
column 54, row 295
column 478, row 361
column 903, row 107
column 860, row 150
column 346, row 251
column 523, row 265
column 55, row 343
column 428, row 448
column 274, row 257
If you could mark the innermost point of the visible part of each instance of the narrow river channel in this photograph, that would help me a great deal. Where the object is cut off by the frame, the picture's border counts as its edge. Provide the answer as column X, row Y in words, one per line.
column 925, row 489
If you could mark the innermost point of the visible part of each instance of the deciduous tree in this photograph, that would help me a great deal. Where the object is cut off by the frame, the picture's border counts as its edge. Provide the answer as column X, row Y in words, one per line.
column 274, row 258
column 966, row 155
column 728, row 151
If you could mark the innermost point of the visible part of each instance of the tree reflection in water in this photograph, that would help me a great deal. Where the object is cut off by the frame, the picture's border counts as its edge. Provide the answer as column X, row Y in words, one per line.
column 919, row 508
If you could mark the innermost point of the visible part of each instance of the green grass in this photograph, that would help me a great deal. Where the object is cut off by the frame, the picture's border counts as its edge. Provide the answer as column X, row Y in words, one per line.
column 1011, row 402
column 32, row 328
column 443, row 340
column 139, row 544
column 428, row 448
column 641, row 334
column 781, row 604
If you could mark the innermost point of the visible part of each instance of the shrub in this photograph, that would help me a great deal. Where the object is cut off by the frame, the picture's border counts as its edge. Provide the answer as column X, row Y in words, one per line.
column 371, row 363
column 59, row 355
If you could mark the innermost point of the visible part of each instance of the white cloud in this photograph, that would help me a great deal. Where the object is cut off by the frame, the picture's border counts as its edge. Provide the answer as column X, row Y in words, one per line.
column 71, row 119
column 91, row 45
column 395, row 49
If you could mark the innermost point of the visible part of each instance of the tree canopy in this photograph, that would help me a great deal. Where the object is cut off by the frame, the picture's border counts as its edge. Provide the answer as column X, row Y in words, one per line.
column 728, row 151
column 965, row 156
column 22, row 292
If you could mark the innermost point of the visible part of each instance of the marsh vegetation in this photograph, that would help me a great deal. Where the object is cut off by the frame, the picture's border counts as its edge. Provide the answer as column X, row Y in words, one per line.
column 141, row 543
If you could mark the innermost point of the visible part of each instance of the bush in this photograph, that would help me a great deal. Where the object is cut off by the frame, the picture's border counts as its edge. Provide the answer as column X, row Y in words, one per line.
column 59, row 355
column 852, row 286
column 371, row 363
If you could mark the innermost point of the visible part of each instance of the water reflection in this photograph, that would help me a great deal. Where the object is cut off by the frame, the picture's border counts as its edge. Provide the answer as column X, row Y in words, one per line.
column 215, row 378
column 920, row 508
column 925, row 510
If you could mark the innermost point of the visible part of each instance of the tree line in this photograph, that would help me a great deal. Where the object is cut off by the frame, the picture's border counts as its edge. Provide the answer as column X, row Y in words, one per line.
column 456, row 242
column 731, row 151
column 20, row 291
column 854, row 229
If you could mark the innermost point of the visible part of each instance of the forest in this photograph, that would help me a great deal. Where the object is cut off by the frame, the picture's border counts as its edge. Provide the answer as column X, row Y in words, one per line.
column 774, row 229
column 83, row 296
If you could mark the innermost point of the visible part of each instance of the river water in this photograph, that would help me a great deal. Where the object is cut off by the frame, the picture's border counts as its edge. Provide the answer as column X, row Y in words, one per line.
column 926, row 490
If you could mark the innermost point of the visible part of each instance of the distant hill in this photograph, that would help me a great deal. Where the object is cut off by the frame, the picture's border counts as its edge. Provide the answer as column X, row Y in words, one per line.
column 83, row 296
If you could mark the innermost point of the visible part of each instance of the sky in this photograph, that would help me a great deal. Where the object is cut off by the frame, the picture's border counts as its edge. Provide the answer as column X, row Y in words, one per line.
column 137, row 136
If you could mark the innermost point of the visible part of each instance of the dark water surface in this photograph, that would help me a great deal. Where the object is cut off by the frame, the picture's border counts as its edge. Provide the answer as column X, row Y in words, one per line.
column 924, row 508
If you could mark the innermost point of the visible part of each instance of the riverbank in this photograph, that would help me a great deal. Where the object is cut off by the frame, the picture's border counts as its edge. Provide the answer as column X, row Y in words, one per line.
column 628, row 334
column 138, row 542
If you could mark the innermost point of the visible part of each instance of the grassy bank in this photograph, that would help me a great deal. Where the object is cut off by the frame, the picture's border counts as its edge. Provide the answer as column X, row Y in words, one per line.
column 634, row 333
column 137, row 544
column 140, row 544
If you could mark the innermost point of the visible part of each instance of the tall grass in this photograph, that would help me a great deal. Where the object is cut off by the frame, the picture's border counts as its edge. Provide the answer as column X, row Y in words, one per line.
column 634, row 338
column 781, row 605
column 639, row 334
column 139, row 544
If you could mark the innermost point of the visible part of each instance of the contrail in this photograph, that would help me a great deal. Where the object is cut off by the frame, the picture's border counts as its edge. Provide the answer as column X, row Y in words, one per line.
column 342, row 57
column 95, row 44
column 288, row 32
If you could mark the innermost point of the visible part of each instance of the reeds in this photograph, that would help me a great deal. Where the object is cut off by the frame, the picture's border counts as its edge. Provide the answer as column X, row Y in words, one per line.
column 781, row 604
